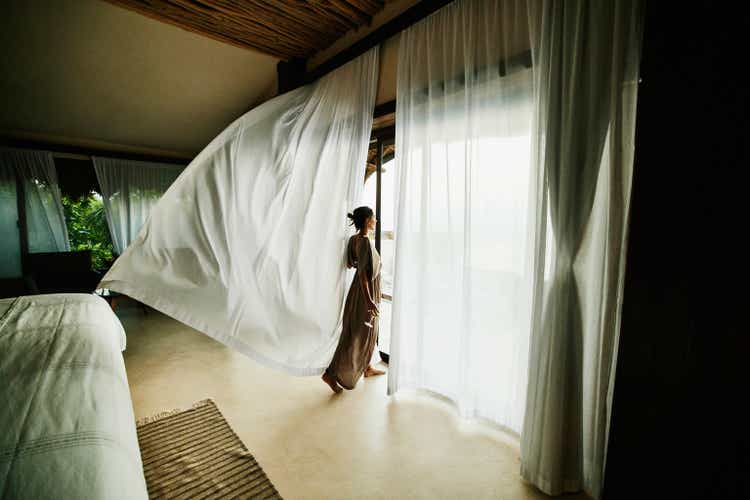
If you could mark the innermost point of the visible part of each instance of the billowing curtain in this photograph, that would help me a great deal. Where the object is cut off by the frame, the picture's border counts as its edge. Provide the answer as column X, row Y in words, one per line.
column 44, row 215
column 130, row 189
column 586, row 57
column 467, row 208
column 248, row 244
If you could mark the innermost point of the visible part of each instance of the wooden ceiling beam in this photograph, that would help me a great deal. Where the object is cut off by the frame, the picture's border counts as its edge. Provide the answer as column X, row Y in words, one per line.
column 302, row 39
column 232, row 22
column 325, row 10
column 370, row 7
column 410, row 16
column 322, row 15
column 159, row 15
column 348, row 11
column 274, row 21
column 227, row 27
column 282, row 28
column 232, row 33
column 304, row 14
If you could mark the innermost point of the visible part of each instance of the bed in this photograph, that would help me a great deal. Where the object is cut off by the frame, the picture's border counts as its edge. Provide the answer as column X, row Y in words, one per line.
column 66, row 418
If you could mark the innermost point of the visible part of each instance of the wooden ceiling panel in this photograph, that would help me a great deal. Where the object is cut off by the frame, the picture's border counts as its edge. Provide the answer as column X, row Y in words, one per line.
column 282, row 28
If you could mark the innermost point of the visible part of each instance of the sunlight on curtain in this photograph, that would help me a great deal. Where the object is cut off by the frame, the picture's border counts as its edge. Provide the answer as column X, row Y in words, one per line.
column 248, row 244
column 45, row 218
column 467, row 205
column 130, row 189
column 512, row 213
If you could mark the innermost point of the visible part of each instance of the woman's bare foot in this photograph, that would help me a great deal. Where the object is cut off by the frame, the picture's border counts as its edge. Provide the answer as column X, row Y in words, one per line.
column 371, row 372
column 331, row 383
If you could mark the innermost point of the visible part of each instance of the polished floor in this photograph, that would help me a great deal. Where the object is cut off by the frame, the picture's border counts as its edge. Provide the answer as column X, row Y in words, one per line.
column 311, row 443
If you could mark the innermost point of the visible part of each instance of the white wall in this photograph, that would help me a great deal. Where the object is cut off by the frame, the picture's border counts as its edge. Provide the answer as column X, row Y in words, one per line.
column 89, row 70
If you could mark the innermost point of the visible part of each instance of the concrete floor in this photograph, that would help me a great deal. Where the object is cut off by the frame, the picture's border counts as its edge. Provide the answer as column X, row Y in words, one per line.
column 311, row 443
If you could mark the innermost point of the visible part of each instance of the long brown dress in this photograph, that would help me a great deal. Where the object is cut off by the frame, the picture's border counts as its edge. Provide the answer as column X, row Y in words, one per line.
column 357, row 340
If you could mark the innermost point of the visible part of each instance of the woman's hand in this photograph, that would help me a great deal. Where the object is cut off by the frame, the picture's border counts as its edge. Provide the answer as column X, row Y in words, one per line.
column 373, row 309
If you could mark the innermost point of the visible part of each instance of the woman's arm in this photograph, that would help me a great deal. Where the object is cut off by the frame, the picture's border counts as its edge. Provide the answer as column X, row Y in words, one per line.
column 364, row 282
column 363, row 264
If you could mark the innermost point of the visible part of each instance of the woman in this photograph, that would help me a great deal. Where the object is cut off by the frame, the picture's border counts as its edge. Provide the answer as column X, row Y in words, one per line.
column 360, row 333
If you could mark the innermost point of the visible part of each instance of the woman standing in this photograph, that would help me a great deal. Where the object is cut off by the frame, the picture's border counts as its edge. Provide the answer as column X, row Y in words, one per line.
column 360, row 325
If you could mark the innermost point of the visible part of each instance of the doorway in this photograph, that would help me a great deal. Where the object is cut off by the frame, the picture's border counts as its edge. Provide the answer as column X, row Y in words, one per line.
column 379, row 193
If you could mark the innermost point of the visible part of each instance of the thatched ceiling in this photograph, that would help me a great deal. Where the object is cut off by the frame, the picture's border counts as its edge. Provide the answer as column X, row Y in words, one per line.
column 282, row 28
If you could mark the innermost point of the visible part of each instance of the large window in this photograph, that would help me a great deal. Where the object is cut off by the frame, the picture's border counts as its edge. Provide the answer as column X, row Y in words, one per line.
column 31, row 214
column 87, row 228
column 378, row 193
column 84, row 210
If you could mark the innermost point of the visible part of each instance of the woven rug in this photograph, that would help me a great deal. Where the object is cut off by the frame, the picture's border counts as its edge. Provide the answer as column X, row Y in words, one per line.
column 195, row 454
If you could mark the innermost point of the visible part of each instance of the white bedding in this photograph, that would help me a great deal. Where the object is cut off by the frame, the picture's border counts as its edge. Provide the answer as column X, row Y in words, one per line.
column 66, row 419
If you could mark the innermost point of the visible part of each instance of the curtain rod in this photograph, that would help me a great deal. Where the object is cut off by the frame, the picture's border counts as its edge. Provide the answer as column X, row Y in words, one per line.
column 70, row 156
column 396, row 25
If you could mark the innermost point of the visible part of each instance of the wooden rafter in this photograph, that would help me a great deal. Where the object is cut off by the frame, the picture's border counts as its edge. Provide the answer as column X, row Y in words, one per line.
column 282, row 28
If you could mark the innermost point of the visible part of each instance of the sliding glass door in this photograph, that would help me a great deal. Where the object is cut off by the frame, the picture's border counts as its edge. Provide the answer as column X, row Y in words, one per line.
column 379, row 194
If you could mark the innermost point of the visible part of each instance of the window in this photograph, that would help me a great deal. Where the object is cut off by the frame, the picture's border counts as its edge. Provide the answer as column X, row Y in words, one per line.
column 85, row 218
column 379, row 191
column 10, row 244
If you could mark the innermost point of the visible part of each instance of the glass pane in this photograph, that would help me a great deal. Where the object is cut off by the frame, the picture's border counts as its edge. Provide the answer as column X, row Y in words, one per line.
column 87, row 228
column 387, row 223
column 387, row 244
column 369, row 193
column 384, row 327
column 42, row 217
column 10, row 243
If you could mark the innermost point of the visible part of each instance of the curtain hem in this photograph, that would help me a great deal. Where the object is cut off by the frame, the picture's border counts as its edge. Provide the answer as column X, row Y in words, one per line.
column 179, row 314
column 544, row 485
column 415, row 389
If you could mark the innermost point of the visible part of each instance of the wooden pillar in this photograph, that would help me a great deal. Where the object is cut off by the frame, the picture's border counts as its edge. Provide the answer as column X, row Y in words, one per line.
column 378, row 173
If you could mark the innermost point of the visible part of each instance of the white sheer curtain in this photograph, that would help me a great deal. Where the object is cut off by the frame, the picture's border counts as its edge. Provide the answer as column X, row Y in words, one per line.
column 586, row 59
column 467, row 209
column 10, row 243
column 512, row 214
column 45, row 218
column 130, row 189
column 248, row 244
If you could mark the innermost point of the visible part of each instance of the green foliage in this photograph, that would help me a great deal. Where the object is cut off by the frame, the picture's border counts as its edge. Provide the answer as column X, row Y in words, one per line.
column 87, row 228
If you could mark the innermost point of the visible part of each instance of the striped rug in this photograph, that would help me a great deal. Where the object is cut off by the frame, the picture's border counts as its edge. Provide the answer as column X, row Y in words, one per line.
column 195, row 454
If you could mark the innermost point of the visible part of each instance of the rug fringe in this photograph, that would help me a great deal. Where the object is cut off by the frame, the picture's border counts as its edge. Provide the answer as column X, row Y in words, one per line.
column 164, row 414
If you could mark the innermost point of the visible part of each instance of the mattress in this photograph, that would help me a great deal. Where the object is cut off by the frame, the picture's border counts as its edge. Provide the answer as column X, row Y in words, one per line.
column 68, row 429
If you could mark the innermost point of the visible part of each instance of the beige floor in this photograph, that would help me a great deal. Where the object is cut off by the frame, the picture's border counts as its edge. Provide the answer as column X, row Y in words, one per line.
column 312, row 444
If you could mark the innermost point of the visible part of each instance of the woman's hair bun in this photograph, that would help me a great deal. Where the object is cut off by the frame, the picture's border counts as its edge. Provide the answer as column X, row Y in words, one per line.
column 359, row 216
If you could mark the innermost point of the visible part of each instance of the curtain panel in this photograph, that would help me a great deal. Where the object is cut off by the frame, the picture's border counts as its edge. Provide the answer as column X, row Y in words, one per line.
column 130, row 189
column 247, row 245
column 35, row 172
column 514, row 140
column 586, row 58
column 467, row 205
